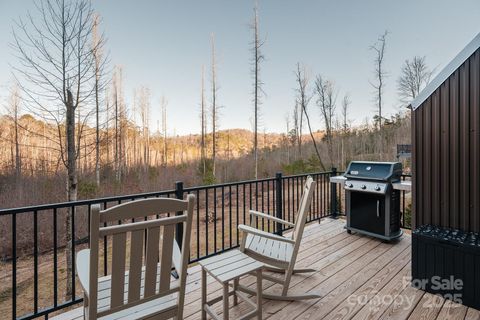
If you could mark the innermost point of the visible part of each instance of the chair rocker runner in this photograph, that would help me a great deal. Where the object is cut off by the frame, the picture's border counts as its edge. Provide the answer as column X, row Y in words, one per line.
column 146, row 289
column 278, row 253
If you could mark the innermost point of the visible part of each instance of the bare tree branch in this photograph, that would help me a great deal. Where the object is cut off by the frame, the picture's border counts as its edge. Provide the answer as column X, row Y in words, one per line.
column 380, row 74
column 415, row 75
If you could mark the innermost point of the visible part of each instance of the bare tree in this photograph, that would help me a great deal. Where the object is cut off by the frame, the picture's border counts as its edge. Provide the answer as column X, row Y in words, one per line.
column 415, row 75
column 99, row 70
column 214, row 109
column 380, row 74
column 203, row 123
column 296, row 122
column 326, row 101
column 296, row 133
column 303, row 99
column 287, row 122
column 144, row 105
column 13, row 111
column 56, row 60
column 163, row 105
column 117, row 102
column 345, row 124
column 345, row 110
column 107, row 126
column 134, row 124
column 257, row 58
column 177, row 148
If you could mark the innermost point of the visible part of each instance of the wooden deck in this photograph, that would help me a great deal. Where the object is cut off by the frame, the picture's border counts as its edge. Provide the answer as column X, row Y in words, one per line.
column 357, row 276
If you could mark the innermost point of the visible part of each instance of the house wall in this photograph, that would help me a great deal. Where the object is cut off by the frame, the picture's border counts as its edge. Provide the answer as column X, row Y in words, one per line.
column 446, row 152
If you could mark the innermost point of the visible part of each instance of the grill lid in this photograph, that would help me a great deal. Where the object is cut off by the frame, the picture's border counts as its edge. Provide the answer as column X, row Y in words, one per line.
column 372, row 170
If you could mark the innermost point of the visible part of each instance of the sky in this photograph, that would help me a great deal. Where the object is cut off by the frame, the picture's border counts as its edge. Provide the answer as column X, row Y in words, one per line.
column 164, row 44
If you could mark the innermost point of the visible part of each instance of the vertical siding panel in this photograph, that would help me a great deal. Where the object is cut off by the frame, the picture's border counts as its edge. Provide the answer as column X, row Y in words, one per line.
column 435, row 160
column 475, row 142
column 419, row 170
column 414, row 129
column 454, row 150
column 445, row 154
column 464, row 145
column 427, row 156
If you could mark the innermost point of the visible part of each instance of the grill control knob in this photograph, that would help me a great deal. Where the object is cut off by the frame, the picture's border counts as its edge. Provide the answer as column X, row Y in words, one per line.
column 350, row 185
column 363, row 187
column 377, row 188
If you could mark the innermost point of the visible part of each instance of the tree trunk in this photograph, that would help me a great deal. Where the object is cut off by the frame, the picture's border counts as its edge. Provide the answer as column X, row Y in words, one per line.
column 96, row 57
column 71, row 187
column 97, row 136
column 300, row 133
column 18, row 161
column 164, row 129
column 255, row 138
column 322, row 166
column 203, row 155
column 214, row 109
column 116, row 156
column 107, row 131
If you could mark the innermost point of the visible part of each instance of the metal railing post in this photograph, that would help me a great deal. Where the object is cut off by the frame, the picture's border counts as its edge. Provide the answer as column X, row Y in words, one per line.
column 279, row 201
column 333, row 196
column 179, row 227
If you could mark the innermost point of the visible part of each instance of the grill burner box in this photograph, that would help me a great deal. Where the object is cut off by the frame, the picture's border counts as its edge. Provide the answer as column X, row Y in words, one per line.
column 447, row 262
column 372, row 205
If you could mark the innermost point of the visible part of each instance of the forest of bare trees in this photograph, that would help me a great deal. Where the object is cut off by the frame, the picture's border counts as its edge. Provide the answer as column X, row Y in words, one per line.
column 68, row 126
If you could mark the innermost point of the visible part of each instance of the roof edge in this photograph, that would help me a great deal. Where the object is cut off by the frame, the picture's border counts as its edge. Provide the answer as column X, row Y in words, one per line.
column 447, row 72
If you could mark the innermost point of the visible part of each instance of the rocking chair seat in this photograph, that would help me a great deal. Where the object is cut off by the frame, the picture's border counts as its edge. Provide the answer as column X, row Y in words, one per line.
column 163, row 304
column 278, row 251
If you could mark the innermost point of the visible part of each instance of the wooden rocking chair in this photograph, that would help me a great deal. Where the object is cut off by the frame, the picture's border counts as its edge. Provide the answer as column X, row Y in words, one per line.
column 278, row 253
column 145, row 290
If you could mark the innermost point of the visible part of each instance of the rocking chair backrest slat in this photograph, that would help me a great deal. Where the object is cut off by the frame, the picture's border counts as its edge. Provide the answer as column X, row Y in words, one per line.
column 142, row 208
column 303, row 210
column 118, row 271
column 151, row 260
column 160, row 237
column 135, row 271
column 166, row 266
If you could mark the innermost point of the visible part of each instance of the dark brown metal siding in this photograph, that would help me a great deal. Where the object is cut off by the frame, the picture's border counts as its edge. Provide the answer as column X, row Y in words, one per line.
column 446, row 152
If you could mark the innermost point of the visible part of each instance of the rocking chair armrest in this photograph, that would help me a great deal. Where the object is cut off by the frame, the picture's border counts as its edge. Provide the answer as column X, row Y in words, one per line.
column 82, row 263
column 272, row 218
column 260, row 233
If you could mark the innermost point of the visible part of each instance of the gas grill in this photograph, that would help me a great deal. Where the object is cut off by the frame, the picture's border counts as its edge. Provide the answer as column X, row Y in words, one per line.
column 372, row 205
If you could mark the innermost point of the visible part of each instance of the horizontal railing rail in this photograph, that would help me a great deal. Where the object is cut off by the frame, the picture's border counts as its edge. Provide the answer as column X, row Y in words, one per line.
column 34, row 247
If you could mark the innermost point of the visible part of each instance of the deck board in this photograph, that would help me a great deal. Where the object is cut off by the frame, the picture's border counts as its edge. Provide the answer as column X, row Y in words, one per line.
column 428, row 307
column 472, row 314
column 357, row 276
column 453, row 311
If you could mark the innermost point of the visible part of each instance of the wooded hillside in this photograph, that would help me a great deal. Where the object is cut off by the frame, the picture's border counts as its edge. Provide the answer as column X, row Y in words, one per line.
column 42, row 177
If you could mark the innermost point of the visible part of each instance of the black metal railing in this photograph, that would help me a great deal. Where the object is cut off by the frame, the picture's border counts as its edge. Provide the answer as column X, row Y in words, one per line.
column 406, row 205
column 33, row 258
